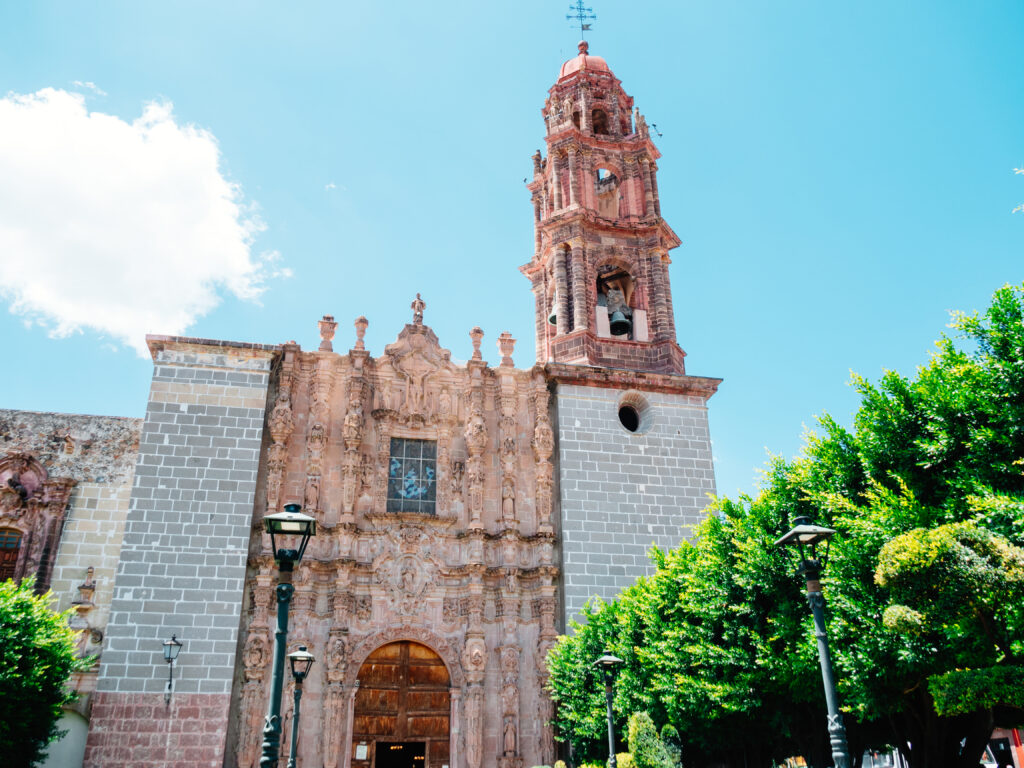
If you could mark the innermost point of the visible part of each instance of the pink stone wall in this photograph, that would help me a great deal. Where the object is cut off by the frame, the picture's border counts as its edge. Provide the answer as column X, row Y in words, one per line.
column 139, row 729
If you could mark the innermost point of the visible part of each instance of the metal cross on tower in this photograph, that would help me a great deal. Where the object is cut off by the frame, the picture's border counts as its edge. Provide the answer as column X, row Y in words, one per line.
column 581, row 15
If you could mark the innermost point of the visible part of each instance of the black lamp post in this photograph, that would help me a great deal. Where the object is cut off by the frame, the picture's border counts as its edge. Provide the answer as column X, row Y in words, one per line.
column 806, row 538
column 301, row 660
column 289, row 523
column 171, row 648
column 609, row 665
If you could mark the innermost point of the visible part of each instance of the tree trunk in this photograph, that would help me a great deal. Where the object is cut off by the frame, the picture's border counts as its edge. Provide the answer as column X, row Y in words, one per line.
column 928, row 741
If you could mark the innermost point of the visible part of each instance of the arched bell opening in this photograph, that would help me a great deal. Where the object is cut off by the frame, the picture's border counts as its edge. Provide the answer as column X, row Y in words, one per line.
column 616, row 316
column 402, row 716
column 599, row 122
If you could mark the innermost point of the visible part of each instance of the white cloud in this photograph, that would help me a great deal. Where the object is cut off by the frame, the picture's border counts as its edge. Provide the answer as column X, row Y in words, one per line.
column 330, row 185
column 89, row 85
column 122, row 228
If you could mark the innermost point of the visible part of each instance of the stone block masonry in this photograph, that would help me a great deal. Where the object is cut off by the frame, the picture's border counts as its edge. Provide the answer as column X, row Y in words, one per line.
column 622, row 492
column 183, row 556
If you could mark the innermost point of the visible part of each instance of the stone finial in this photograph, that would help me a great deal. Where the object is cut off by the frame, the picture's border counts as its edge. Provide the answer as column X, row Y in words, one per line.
column 583, row 47
column 476, row 335
column 327, row 328
column 505, row 345
column 418, row 305
column 361, row 323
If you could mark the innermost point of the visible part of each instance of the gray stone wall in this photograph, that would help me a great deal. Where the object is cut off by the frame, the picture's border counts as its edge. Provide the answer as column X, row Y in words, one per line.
column 622, row 492
column 187, row 531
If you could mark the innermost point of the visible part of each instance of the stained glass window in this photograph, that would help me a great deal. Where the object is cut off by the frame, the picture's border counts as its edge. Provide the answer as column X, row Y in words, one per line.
column 412, row 476
column 10, row 544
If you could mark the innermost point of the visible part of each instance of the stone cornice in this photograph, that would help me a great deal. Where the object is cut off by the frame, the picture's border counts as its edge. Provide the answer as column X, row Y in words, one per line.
column 617, row 378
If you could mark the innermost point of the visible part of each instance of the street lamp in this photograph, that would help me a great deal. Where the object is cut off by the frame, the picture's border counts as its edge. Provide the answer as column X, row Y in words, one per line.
column 171, row 648
column 301, row 660
column 807, row 538
column 280, row 526
column 609, row 665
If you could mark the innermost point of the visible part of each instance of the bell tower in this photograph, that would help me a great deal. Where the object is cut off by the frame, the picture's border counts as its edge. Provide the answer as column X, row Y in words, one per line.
column 634, row 462
column 600, row 264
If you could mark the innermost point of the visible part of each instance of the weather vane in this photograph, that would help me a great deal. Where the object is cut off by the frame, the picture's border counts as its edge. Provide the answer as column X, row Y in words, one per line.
column 581, row 15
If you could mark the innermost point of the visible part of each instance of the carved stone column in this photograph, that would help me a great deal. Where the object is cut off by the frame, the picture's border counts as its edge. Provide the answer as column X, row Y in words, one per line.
column 320, row 385
column 585, row 125
column 256, row 659
column 669, row 314
column 474, row 662
column 476, row 444
column 645, row 170
column 561, row 294
column 334, row 730
column 543, row 447
column 654, row 190
column 350, row 714
column 510, row 735
column 536, row 225
column 556, row 181
column 352, row 435
column 546, row 640
column 384, row 418
column 573, row 180
column 579, row 286
column 633, row 204
column 455, row 728
column 507, row 449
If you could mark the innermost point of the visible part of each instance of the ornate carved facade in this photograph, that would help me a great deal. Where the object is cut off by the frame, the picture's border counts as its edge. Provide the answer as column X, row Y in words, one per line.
column 467, row 569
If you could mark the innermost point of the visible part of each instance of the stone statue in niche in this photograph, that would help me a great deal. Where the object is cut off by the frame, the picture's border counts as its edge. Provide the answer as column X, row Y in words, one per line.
column 510, row 737
column 408, row 578
column 508, row 499
column 312, row 497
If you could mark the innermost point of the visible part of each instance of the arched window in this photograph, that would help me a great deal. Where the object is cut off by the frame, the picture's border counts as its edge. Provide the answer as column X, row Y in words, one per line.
column 599, row 121
column 10, row 546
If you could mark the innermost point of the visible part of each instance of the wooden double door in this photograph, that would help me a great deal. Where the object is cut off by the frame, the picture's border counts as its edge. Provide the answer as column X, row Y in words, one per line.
column 402, row 709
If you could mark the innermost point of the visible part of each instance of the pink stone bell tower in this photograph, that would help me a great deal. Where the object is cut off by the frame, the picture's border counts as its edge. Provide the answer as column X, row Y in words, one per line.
column 600, row 263
column 634, row 462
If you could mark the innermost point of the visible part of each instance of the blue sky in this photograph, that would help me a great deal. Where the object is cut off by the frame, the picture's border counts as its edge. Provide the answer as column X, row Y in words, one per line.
column 841, row 175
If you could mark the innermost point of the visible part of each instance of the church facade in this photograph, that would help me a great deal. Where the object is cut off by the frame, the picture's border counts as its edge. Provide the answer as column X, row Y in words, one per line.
column 466, row 510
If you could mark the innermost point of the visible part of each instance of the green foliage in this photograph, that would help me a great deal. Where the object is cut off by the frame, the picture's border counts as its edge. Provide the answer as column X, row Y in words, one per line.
column 670, row 738
column 645, row 745
column 559, row 764
column 37, row 657
column 926, row 492
column 624, row 760
column 962, row 691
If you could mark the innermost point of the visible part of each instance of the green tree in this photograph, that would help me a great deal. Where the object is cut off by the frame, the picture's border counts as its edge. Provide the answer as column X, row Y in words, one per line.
column 926, row 491
column 37, row 658
column 645, row 745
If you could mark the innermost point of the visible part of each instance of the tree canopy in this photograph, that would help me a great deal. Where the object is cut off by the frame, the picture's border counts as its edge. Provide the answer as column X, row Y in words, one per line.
column 926, row 492
column 37, row 657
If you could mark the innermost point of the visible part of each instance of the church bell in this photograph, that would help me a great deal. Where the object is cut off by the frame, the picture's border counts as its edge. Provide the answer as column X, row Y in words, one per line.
column 553, row 317
column 619, row 323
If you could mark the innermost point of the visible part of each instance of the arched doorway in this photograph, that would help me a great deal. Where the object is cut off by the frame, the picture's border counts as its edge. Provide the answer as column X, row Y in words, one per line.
column 402, row 709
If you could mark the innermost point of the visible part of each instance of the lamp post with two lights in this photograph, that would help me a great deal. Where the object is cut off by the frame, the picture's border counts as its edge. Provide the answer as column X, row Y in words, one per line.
column 290, row 523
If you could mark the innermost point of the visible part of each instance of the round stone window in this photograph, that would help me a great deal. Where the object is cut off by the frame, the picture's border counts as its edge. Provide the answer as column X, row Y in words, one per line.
column 634, row 412
column 629, row 418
